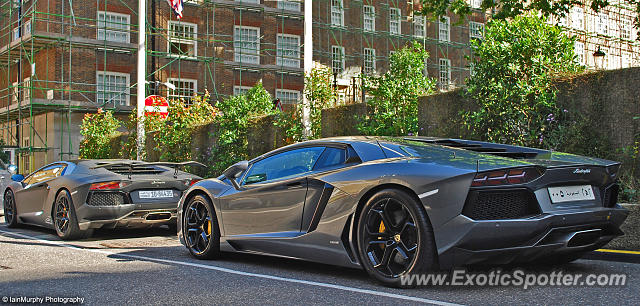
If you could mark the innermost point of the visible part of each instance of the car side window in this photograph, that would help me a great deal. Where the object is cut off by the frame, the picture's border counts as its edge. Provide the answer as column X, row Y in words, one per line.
column 45, row 174
column 284, row 165
column 331, row 157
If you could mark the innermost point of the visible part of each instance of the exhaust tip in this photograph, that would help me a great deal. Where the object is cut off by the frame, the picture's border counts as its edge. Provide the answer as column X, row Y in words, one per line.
column 584, row 238
column 158, row 216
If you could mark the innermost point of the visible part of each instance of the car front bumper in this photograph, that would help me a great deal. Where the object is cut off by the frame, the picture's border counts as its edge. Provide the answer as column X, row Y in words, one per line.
column 126, row 215
column 524, row 240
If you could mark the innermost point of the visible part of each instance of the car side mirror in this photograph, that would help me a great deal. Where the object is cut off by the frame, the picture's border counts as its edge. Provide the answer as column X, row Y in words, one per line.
column 13, row 169
column 17, row 177
column 234, row 171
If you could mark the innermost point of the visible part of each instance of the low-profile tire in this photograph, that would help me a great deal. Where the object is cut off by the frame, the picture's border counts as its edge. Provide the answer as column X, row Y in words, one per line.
column 10, row 212
column 200, row 228
column 65, row 221
column 395, row 238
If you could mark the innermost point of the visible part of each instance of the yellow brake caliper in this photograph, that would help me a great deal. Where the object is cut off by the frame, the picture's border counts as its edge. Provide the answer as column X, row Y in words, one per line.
column 209, row 227
column 381, row 230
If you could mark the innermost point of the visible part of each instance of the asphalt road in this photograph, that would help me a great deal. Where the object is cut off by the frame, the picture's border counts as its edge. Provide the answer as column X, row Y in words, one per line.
column 151, row 267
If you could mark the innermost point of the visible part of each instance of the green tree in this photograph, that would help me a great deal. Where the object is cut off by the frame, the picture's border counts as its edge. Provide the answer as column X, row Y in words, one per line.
column 393, row 106
column 514, row 66
column 320, row 94
column 97, row 130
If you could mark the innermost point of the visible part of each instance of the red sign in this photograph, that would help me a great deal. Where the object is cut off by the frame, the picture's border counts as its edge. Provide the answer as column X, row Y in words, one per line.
column 156, row 106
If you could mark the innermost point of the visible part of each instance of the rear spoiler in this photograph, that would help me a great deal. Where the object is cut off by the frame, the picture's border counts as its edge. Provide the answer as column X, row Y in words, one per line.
column 131, row 164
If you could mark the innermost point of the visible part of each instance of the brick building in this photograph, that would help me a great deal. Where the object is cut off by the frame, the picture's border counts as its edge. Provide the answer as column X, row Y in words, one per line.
column 60, row 59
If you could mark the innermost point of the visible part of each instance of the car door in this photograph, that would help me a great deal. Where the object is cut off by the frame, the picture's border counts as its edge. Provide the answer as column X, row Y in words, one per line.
column 272, row 194
column 30, row 200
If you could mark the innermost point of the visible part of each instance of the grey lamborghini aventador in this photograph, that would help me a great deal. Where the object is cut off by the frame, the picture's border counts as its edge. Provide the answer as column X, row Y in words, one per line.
column 399, row 206
column 75, row 197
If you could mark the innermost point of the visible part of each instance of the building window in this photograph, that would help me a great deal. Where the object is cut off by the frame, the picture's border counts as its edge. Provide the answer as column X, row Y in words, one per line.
column 394, row 21
column 369, row 16
column 626, row 59
column 476, row 30
column 287, row 96
column 579, row 50
column 15, row 93
column 419, row 26
column 288, row 50
column 185, row 89
column 27, row 28
column 445, row 73
column 289, row 5
column 112, row 88
column 26, row 90
column 249, row 1
column 369, row 61
column 240, row 90
column 16, row 34
column 476, row 4
column 182, row 38
column 337, row 13
column 337, row 59
column 602, row 24
column 625, row 28
column 246, row 44
column 577, row 18
column 113, row 27
column 443, row 28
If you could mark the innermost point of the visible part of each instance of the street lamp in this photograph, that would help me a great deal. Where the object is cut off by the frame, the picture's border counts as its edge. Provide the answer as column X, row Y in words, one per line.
column 598, row 57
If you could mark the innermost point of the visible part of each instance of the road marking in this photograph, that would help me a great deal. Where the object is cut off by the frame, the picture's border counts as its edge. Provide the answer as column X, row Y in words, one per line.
column 236, row 272
column 428, row 193
column 618, row 251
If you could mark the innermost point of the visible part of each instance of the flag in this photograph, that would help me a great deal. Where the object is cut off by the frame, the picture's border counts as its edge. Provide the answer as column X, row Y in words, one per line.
column 176, row 5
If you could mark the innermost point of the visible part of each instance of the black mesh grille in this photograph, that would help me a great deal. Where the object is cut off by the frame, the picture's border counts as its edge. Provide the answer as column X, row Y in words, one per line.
column 610, row 196
column 135, row 169
column 497, row 205
column 106, row 199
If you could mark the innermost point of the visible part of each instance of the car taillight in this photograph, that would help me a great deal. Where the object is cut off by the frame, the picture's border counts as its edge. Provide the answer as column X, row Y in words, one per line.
column 108, row 185
column 191, row 182
column 506, row 177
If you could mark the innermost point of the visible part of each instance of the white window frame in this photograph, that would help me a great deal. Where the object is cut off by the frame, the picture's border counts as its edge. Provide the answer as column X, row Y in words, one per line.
column 419, row 26
column 105, row 29
column 369, row 18
column 337, row 13
column 341, row 60
column 602, row 23
column 579, row 51
column 174, row 94
column 626, row 28
column 476, row 30
column 15, row 34
column 444, row 74
column 369, row 60
column 240, row 90
column 280, row 92
column 444, row 29
column 395, row 24
column 289, row 5
column 283, row 55
column 172, row 38
column 242, row 54
column 626, row 59
column 16, row 93
column 27, row 28
column 249, row 1
column 26, row 90
column 109, row 99
column 577, row 18
column 476, row 4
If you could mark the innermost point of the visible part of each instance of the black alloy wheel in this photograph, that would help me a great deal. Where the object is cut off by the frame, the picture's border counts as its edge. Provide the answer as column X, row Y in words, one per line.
column 395, row 238
column 201, row 234
column 10, row 214
column 62, row 215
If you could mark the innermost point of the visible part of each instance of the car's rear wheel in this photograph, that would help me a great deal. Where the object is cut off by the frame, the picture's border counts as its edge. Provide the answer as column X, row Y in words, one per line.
column 10, row 214
column 64, row 218
column 395, row 238
column 200, row 228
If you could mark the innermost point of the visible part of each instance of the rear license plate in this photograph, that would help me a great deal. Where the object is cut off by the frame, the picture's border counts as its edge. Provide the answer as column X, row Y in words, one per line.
column 155, row 194
column 571, row 193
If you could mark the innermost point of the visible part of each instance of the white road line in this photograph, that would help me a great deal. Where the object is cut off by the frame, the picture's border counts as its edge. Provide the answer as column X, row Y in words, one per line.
column 236, row 272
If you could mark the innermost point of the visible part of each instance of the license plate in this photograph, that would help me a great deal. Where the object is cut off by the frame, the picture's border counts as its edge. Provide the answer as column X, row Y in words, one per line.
column 571, row 193
column 155, row 194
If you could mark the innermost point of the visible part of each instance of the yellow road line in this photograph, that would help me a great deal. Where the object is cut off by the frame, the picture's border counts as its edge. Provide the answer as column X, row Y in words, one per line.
column 618, row 251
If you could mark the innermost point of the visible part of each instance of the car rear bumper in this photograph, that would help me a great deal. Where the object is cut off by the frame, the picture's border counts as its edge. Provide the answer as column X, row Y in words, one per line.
column 523, row 240
column 126, row 215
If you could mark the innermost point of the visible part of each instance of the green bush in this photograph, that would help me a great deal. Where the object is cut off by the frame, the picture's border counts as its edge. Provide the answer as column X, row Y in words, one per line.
column 97, row 130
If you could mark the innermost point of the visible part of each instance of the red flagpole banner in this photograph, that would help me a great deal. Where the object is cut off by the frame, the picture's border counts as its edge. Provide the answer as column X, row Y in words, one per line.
column 176, row 5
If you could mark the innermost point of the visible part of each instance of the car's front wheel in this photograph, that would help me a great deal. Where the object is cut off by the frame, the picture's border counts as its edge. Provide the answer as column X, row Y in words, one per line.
column 395, row 238
column 10, row 214
column 200, row 228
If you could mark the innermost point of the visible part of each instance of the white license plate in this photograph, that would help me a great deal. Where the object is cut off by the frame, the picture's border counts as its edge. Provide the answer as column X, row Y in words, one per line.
column 155, row 194
column 571, row 193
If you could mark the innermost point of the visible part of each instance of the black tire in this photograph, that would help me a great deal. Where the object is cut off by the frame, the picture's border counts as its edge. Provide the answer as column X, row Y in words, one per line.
column 200, row 228
column 10, row 212
column 403, row 247
column 64, row 218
